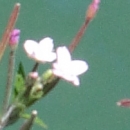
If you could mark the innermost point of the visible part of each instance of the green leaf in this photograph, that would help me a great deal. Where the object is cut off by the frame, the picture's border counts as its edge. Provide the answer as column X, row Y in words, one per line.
column 37, row 120
column 18, row 84
column 19, row 80
column 21, row 70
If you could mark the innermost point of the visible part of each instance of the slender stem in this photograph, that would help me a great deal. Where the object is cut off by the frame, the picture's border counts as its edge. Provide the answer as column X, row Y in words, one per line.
column 29, row 81
column 9, row 80
column 9, row 28
column 3, row 44
column 90, row 13
column 78, row 36
column 28, row 124
column 29, row 84
column 35, row 67
column 49, row 86
column 71, row 48
column 5, row 118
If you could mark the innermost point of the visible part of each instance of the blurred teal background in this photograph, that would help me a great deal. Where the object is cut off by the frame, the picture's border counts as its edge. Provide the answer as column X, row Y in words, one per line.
column 106, row 48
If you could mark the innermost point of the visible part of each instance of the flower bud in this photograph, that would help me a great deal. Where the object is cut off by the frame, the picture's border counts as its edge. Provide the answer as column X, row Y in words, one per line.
column 92, row 9
column 124, row 103
column 47, row 77
column 33, row 75
column 14, row 38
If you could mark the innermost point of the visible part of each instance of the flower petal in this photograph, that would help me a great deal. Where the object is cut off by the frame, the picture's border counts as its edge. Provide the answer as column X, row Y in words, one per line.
column 30, row 46
column 66, row 68
column 46, row 44
column 70, row 78
column 78, row 67
column 63, row 55
column 42, row 51
column 57, row 72
column 48, row 57
column 76, row 81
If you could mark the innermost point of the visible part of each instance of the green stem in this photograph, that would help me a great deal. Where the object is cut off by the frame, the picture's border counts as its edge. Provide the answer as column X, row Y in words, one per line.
column 28, row 124
column 3, row 44
column 9, row 80
column 35, row 67
column 5, row 119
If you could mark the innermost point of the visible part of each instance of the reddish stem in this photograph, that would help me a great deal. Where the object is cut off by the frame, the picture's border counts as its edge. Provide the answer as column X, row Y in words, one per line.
column 9, row 28
column 78, row 36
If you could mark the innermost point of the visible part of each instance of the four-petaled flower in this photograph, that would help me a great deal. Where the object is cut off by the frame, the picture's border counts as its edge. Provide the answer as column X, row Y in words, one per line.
column 42, row 51
column 66, row 68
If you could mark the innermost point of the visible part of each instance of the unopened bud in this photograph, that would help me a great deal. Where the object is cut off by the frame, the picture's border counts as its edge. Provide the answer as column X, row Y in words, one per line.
column 124, row 103
column 47, row 77
column 92, row 9
column 38, row 87
column 34, row 112
column 14, row 37
column 33, row 75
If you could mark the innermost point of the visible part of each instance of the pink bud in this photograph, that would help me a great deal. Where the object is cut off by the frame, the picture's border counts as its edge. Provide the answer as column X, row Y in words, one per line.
column 124, row 103
column 14, row 37
column 92, row 9
column 96, row 1
column 33, row 75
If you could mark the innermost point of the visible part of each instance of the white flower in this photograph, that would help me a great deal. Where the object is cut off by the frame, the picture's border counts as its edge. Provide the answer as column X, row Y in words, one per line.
column 66, row 68
column 42, row 51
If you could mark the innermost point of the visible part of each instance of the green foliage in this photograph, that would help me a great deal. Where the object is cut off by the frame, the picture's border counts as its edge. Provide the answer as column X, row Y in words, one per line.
column 33, row 98
column 19, row 81
column 21, row 70
column 37, row 120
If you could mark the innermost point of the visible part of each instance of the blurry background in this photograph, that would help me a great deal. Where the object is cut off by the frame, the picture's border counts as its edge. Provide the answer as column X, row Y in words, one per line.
column 106, row 48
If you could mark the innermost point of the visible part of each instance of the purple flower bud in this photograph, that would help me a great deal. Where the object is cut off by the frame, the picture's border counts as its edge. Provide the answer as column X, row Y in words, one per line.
column 14, row 37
